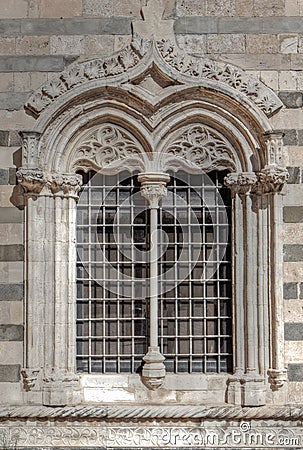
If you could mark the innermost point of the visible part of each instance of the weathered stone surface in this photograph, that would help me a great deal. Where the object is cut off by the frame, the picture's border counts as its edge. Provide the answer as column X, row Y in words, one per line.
column 4, row 174
column 293, row 351
column 244, row 8
column 293, row 310
column 270, row 78
column 11, row 272
column 262, row 43
column 293, row 252
column 130, row 8
column 295, row 372
column 67, row 45
column 293, row 214
column 99, row 45
column 293, row 331
column 300, row 137
column 11, row 292
column 11, row 233
column 289, row 44
column 11, row 352
column 9, row 373
column 190, row 8
column 59, row 8
column 290, row 137
column 219, row 8
column 11, row 332
column 193, row 43
column 32, row 45
column 11, row 215
column 290, row 290
column 294, row 175
column 11, row 313
column 7, row 46
column 98, row 8
column 269, row 7
column 13, row 252
column 13, row 100
column 31, row 64
column 292, row 99
column 225, row 43
column 13, row 9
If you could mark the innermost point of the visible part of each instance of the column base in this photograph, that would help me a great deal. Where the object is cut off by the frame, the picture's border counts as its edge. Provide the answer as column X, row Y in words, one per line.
column 153, row 372
column 246, row 390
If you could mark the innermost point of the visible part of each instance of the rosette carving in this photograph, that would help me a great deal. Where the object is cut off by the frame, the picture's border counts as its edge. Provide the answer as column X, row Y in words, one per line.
column 198, row 149
column 106, row 147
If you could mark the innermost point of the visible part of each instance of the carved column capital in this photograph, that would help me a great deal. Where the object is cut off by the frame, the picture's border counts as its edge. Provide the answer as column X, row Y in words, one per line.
column 153, row 187
column 272, row 179
column 30, row 148
column 241, row 183
column 38, row 182
column 32, row 180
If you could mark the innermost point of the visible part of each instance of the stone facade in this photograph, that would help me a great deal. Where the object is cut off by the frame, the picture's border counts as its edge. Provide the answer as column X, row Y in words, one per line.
column 244, row 59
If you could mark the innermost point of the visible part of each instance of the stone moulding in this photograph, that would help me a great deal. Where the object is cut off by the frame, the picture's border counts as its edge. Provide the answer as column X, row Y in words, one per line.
column 164, row 53
column 288, row 412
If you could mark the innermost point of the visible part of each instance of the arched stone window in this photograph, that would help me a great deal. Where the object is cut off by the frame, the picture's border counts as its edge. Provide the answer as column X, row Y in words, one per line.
column 153, row 111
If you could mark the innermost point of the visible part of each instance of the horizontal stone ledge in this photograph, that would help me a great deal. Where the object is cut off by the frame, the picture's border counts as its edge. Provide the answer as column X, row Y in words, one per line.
column 11, row 332
column 245, row 25
column 71, row 26
column 9, row 373
column 293, row 332
column 11, row 292
column 82, row 412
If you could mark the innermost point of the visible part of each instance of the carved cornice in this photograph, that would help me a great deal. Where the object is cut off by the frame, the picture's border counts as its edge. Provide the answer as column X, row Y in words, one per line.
column 37, row 182
column 225, row 412
column 199, row 149
column 106, row 147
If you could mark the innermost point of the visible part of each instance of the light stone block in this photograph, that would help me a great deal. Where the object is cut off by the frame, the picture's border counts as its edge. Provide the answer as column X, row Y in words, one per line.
column 244, row 8
column 295, row 392
column 11, row 352
column 287, row 81
column 226, row 43
column 130, row 8
column 219, row 8
column 270, row 78
column 10, row 394
column 7, row 157
column 67, row 45
column 5, row 195
column 12, row 120
column 6, row 82
column 98, row 8
column 13, row 9
column 190, row 8
column 293, row 272
column 293, row 194
column 292, row 233
column 11, row 312
column 289, row 44
column 32, row 45
column 11, row 272
column 99, row 45
column 295, row 155
column 107, row 395
column 104, row 381
column 192, row 43
column 7, row 46
column 300, row 80
column 287, row 119
column 59, row 8
column 262, row 43
column 121, row 42
column 22, row 82
column 292, row 7
column 33, row 9
column 37, row 79
column 269, row 8
column 294, row 351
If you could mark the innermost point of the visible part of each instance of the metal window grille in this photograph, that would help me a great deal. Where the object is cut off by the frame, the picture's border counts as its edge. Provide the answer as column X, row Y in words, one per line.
column 195, row 280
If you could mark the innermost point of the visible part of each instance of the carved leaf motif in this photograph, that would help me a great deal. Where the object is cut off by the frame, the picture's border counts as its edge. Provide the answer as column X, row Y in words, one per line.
column 140, row 45
column 127, row 59
column 200, row 148
column 54, row 88
column 108, row 145
column 73, row 76
column 232, row 77
column 94, row 69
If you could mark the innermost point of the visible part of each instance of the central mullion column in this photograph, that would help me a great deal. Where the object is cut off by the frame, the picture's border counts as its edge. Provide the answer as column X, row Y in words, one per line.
column 153, row 188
